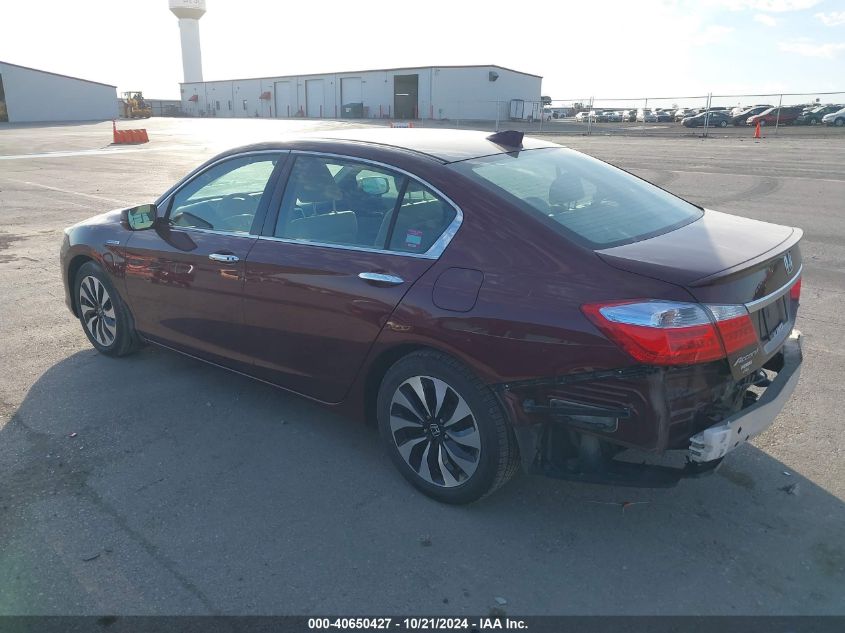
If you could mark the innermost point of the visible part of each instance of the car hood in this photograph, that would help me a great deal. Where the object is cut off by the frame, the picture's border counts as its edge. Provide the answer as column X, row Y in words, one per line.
column 109, row 217
column 715, row 243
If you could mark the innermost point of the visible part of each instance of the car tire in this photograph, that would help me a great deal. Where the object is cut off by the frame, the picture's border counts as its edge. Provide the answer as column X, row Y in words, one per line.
column 839, row 122
column 476, row 453
column 723, row 124
column 104, row 316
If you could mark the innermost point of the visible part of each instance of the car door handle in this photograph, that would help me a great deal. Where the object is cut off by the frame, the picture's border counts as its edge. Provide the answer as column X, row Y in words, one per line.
column 223, row 257
column 381, row 278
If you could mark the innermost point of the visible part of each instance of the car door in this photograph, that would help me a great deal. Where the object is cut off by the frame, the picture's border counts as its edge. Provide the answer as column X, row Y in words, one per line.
column 184, row 277
column 321, row 284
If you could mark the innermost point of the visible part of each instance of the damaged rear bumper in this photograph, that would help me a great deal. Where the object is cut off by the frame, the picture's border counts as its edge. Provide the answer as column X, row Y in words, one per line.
column 718, row 440
column 575, row 443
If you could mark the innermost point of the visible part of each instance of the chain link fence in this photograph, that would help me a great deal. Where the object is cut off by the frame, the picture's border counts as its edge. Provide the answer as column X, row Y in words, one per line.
column 801, row 114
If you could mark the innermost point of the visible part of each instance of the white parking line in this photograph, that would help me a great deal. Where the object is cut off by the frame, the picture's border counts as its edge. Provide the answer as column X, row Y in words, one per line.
column 72, row 193
column 82, row 152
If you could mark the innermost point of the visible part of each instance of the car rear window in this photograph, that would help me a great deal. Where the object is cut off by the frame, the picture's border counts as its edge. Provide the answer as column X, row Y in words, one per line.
column 589, row 201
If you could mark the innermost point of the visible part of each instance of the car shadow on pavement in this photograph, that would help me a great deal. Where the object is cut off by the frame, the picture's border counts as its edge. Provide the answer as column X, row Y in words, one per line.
column 155, row 484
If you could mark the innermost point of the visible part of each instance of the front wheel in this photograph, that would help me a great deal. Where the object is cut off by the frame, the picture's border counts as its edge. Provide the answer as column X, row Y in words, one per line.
column 105, row 318
column 444, row 429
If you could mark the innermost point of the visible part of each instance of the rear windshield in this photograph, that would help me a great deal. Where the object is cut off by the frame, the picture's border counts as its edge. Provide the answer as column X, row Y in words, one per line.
column 589, row 201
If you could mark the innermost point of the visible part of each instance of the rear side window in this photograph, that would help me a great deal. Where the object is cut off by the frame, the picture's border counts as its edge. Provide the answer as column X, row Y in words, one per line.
column 587, row 200
column 422, row 218
column 332, row 201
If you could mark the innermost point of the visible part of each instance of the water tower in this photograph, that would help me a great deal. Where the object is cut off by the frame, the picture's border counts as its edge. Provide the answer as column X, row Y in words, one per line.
column 189, row 13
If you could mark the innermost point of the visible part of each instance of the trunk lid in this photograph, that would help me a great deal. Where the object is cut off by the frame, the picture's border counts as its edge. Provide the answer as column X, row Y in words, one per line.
column 726, row 259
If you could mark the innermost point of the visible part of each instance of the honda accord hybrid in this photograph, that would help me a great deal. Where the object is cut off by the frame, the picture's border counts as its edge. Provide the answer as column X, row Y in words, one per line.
column 491, row 302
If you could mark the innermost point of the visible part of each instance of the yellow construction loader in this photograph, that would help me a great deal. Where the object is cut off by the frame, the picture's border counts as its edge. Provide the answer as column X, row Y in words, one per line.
column 134, row 106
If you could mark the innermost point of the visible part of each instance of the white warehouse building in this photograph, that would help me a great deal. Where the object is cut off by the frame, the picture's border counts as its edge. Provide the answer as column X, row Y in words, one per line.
column 28, row 95
column 431, row 92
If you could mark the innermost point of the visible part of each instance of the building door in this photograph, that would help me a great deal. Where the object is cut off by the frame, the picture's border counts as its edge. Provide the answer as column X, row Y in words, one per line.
column 405, row 95
column 285, row 106
column 351, row 98
column 315, row 97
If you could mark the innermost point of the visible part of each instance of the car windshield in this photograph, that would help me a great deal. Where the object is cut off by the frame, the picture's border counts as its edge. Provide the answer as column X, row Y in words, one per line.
column 587, row 200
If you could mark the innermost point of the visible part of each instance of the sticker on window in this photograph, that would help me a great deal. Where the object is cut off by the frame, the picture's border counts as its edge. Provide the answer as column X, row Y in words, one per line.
column 413, row 238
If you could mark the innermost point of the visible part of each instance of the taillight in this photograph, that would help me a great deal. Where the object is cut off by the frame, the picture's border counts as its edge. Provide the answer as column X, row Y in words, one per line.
column 735, row 327
column 795, row 291
column 674, row 333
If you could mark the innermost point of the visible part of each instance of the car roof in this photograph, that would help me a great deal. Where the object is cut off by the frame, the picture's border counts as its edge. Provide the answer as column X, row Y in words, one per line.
column 445, row 146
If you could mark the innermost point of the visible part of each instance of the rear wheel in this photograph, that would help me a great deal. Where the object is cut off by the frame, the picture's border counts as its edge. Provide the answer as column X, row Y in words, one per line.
column 839, row 122
column 723, row 124
column 444, row 429
column 105, row 319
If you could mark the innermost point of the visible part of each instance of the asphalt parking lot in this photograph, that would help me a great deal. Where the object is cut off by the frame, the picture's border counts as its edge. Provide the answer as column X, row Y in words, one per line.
column 155, row 484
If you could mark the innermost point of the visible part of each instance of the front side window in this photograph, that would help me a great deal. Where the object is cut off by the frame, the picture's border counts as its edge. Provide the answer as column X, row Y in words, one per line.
column 587, row 200
column 225, row 197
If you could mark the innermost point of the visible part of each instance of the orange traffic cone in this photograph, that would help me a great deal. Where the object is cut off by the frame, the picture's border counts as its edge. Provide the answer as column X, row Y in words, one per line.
column 757, row 130
column 145, row 138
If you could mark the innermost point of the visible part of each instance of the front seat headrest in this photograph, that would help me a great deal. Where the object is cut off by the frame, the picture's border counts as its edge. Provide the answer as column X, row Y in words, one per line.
column 313, row 182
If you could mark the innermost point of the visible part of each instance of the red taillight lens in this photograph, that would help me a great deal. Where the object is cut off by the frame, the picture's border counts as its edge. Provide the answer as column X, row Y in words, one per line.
column 673, row 333
column 795, row 291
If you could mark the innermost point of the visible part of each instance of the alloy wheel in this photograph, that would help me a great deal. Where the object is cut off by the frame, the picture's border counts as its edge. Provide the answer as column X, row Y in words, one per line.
column 435, row 431
column 97, row 310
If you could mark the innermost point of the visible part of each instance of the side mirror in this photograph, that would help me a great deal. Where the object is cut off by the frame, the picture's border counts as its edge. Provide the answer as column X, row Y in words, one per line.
column 140, row 218
column 374, row 186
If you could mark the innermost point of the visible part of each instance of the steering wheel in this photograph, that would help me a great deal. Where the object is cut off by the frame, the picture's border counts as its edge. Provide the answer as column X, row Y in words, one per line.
column 234, row 204
column 194, row 220
column 237, row 222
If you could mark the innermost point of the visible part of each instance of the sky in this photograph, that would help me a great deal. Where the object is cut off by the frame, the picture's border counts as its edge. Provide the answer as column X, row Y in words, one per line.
column 610, row 49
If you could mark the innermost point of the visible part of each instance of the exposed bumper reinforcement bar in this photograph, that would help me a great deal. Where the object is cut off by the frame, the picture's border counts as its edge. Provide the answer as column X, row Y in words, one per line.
column 720, row 439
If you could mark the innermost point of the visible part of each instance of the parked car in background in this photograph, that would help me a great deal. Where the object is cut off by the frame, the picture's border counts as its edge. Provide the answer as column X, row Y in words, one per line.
column 741, row 117
column 683, row 113
column 785, row 115
column 815, row 115
column 582, row 117
column 629, row 115
column 602, row 314
column 711, row 119
column 835, row 118
column 613, row 117
column 646, row 116
column 664, row 116
column 600, row 116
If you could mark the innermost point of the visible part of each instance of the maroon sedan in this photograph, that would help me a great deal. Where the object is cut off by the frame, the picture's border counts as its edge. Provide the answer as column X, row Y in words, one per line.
column 490, row 300
column 786, row 115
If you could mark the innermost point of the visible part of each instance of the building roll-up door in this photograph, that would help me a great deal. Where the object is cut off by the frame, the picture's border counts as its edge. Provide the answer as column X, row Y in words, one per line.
column 315, row 98
column 351, row 98
column 284, row 99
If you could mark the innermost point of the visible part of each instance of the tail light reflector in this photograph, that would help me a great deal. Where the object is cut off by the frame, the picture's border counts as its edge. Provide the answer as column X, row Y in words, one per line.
column 674, row 333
